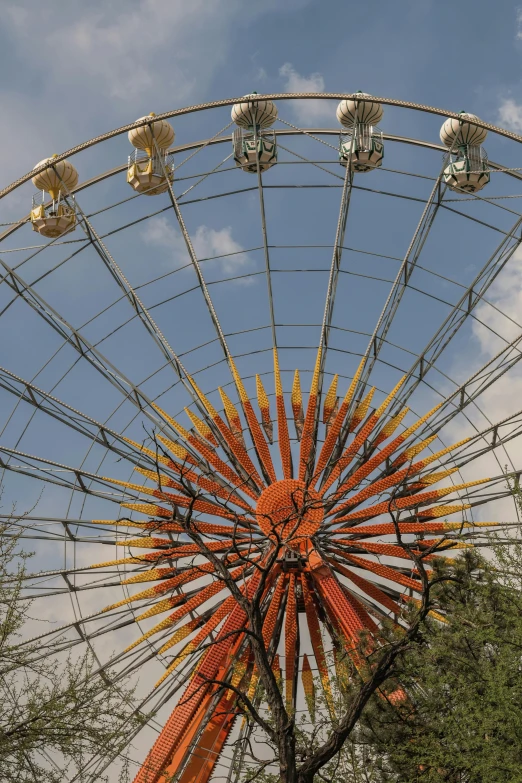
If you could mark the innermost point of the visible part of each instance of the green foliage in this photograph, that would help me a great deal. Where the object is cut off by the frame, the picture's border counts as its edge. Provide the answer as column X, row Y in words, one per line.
column 463, row 720
column 55, row 713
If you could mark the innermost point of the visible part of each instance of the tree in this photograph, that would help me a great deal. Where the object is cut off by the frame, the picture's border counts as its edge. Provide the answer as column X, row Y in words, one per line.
column 357, row 760
column 371, row 659
column 54, row 713
column 463, row 720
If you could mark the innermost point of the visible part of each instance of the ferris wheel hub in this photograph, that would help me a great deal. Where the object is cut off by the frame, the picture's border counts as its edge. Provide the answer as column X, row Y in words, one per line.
column 290, row 511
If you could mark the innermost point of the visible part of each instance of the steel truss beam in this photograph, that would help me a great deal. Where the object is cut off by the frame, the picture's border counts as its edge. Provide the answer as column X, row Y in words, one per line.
column 97, row 432
column 456, row 318
column 457, row 401
column 141, row 311
column 51, row 472
column 76, row 340
column 402, row 279
column 266, row 252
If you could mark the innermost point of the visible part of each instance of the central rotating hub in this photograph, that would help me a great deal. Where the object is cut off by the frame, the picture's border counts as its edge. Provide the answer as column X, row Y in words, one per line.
column 290, row 512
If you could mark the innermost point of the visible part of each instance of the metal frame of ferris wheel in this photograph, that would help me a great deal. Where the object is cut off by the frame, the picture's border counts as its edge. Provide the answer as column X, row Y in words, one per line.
column 77, row 480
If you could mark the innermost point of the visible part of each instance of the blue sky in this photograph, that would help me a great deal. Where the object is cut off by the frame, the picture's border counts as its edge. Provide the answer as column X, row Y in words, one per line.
column 72, row 70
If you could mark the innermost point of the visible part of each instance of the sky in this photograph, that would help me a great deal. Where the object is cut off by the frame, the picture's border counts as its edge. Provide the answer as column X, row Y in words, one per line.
column 71, row 71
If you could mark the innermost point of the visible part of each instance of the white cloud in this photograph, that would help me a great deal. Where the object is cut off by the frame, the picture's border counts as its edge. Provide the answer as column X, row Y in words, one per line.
column 161, row 233
column 295, row 82
column 207, row 242
column 518, row 34
column 306, row 111
column 122, row 49
column 117, row 52
column 503, row 397
column 106, row 63
column 17, row 15
column 506, row 295
column 128, row 50
column 509, row 111
column 510, row 114
column 26, row 147
column 261, row 75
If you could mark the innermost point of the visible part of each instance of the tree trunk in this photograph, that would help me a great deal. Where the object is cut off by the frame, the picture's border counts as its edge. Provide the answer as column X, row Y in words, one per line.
column 287, row 761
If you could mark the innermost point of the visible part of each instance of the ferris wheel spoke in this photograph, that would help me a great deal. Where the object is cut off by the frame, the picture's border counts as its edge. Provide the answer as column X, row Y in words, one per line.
column 76, row 340
column 56, row 642
column 113, row 441
column 203, row 177
column 468, row 392
column 258, row 439
column 136, row 303
column 403, row 277
column 335, row 267
column 266, row 251
column 310, row 425
column 48, row 272
column 455, row 457
column 314, row 163
column 56, row 473
column 54, row 407
column 100, row 247
column 495, row 436
column 460, row 312
column 370, row 447
column 197, row 268
column 382, row 597
column 90, row 772
column 113, row 623
column 394, row 472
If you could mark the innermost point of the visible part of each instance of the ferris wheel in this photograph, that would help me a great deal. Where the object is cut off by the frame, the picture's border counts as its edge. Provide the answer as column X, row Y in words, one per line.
column 266, row 333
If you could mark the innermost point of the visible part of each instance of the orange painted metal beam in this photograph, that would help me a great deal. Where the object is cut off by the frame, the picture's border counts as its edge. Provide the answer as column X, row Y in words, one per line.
column 174, row 741
column 359, row 439
column 291, row 644
column 308, row 687
column 205, row 754
column 317, row 644
column 264, row 407
column 297, row 405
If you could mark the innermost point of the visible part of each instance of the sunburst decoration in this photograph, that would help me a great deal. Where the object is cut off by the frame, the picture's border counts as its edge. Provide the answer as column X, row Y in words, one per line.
column 329, row 519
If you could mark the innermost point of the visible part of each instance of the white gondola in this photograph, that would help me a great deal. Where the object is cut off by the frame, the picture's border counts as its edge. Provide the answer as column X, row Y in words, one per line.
column 253, row 143
column 57, row 217
column 151, row 167
column 468, row 169
column 361, row 144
